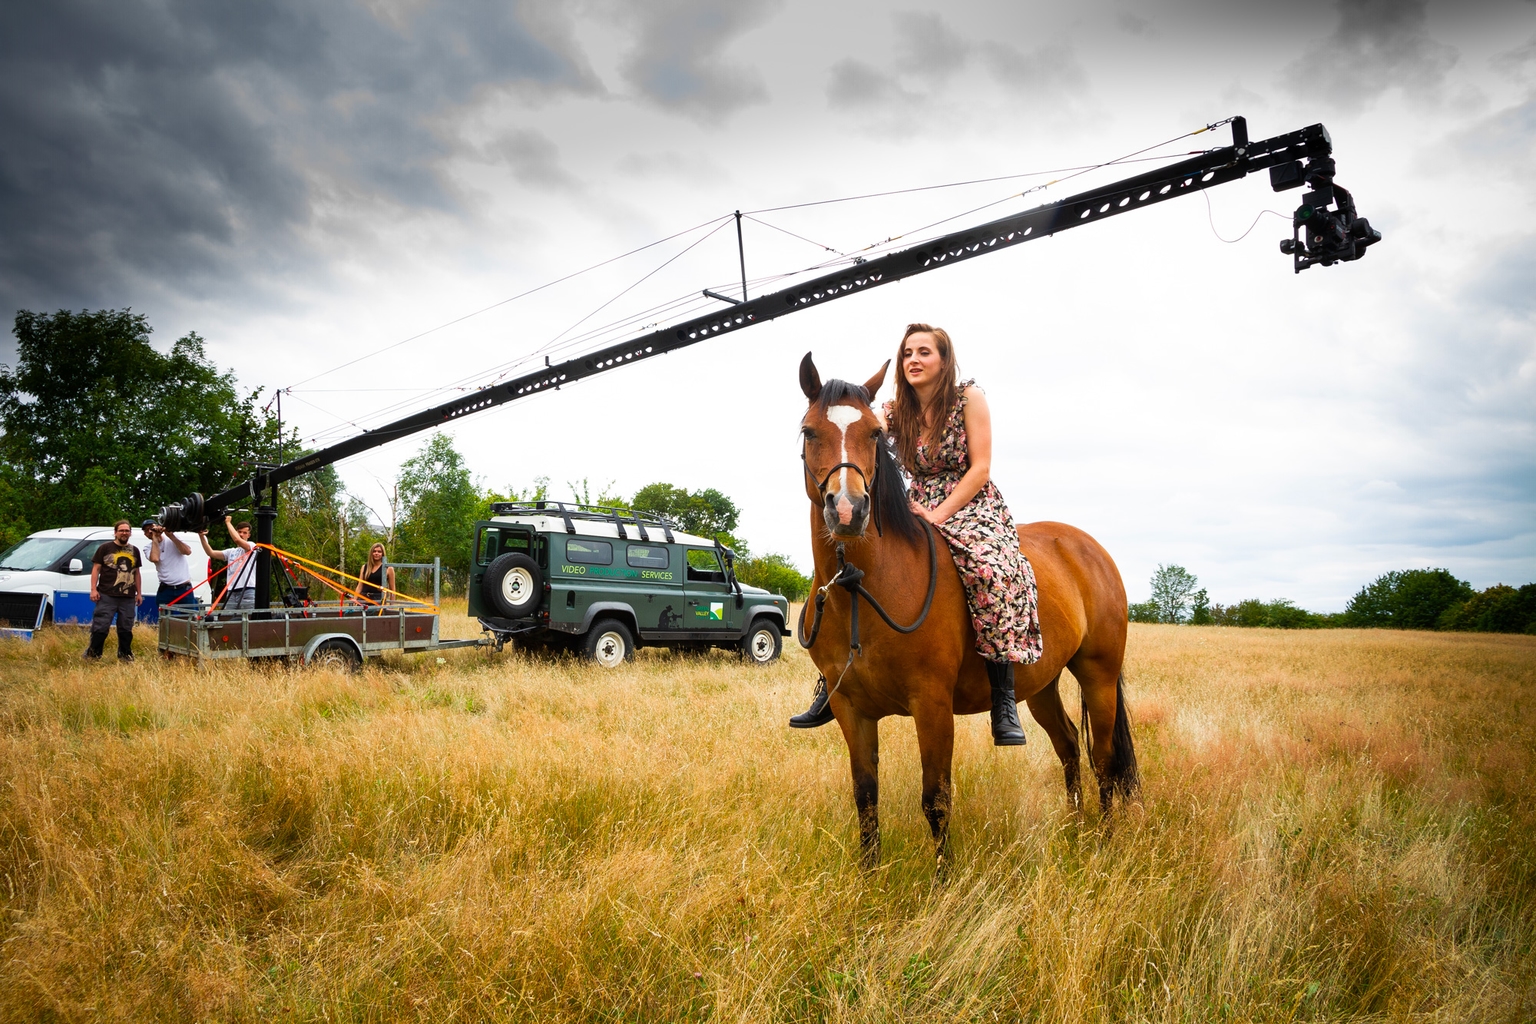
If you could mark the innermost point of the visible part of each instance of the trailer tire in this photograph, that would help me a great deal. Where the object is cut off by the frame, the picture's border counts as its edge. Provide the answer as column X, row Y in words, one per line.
column 513, row 585
column 610, row 643
column 336, row 654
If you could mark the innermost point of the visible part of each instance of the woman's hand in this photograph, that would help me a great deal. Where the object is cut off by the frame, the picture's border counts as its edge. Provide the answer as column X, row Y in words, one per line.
column 932, row 515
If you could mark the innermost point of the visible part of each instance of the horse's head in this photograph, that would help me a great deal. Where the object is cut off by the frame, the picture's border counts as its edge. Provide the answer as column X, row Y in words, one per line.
column 844, row 450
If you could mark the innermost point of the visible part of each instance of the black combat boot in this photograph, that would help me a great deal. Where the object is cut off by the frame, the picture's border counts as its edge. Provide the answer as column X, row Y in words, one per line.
column 820, row 711
column 1006, row 730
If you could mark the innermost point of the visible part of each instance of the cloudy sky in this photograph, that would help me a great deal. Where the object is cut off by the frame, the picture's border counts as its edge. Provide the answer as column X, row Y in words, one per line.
column 310, row 186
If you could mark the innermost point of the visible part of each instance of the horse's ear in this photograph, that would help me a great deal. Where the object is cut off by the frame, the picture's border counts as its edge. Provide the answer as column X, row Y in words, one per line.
column 810, row 380
column 872, row 386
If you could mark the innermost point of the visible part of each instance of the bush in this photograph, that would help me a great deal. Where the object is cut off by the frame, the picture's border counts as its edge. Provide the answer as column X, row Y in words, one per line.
column 1277, row 614
column 1145, row 611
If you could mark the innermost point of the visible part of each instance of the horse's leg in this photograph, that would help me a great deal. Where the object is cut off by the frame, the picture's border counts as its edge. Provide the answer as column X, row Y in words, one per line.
column 1047, row 709
column 936, row 747
column 863, row 738
column 1111, row 753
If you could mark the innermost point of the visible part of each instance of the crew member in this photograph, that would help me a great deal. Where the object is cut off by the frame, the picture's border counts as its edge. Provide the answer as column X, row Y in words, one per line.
column 168, row 553
column 241, row 560
column 117, row 589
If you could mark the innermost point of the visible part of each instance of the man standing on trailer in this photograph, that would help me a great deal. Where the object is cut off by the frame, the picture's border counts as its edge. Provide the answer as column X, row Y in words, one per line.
column 242, row 564
column 169, row 554
column 117, row 588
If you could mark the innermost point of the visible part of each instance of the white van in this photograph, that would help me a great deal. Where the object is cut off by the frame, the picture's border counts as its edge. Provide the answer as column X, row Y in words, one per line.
column 60, row 559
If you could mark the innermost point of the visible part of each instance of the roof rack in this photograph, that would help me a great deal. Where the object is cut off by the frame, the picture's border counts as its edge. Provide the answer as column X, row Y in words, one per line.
column 571, row 511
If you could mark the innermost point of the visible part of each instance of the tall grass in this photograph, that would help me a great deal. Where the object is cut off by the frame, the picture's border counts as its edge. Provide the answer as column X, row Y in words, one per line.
column 1336, row 826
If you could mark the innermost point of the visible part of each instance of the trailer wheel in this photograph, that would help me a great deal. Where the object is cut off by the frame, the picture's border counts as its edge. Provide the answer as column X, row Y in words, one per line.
column 336, row 654
column 609, row 643
column 513, row 585
column 763, row 643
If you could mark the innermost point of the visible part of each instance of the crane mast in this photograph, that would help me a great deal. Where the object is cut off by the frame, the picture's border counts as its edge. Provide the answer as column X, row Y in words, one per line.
column 1325, row 230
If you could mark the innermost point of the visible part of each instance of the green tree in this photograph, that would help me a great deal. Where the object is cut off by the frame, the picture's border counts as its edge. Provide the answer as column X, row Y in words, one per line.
column 1143, row 611
column 1172, row 588
column 1200, row 614
column 704, row 513
column 538, row 492
column 1411, row 599
column 438, row 503
column 97, row 423
column 1499, row 609
column 774, row 573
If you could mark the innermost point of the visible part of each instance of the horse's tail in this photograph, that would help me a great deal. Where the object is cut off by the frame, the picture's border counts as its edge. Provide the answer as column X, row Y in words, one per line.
column 1124, row 777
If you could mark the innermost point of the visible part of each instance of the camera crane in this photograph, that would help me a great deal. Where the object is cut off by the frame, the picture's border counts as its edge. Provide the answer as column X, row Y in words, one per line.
column 1325, row 229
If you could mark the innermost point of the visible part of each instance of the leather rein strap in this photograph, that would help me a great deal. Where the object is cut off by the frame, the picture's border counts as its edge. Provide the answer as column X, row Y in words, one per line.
column 850, row 577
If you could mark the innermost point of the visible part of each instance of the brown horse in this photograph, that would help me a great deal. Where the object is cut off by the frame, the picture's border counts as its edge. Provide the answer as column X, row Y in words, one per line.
column 859, row 503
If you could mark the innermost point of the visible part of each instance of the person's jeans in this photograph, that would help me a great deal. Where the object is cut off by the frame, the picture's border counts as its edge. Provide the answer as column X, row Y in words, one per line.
column 238, row 599
column 101, row 622
column 169, row 592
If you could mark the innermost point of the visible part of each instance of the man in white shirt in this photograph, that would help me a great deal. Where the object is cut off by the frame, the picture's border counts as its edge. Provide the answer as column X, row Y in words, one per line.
column 241, row 560
column 168, row 553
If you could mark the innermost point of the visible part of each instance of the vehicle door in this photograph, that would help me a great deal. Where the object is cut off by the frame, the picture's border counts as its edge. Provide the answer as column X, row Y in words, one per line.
column 711, row 601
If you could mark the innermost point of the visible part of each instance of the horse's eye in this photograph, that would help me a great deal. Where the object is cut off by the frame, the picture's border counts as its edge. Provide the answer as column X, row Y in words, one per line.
column 808, row 433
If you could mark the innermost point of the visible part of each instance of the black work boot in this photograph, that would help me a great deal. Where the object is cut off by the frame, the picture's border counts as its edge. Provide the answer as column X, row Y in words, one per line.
column 1006, row 730
column 820, row 711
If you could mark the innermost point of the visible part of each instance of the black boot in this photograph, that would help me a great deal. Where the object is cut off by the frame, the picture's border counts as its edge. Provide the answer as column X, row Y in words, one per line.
column 820, row 711
column 1006, row 730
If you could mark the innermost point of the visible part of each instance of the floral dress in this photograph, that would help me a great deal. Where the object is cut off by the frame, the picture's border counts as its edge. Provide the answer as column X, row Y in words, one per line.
column 999, row 582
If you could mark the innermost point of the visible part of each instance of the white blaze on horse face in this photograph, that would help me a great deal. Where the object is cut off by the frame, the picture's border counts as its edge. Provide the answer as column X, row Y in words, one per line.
column 844, row 416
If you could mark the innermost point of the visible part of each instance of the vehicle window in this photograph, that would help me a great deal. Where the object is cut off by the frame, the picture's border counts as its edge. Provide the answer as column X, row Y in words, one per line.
column 643, row 556
column 494, row 543
column 41, row 552
column 588, row 552
column 704, row 566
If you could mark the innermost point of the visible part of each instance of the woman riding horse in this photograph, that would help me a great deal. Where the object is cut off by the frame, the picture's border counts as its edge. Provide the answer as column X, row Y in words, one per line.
column 942, row 432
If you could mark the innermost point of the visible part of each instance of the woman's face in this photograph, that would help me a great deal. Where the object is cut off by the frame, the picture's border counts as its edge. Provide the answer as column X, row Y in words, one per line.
column 376, row 553
column 920, row 359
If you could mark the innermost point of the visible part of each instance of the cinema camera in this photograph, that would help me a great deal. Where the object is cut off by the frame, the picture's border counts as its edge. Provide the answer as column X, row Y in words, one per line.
column 1320, row 234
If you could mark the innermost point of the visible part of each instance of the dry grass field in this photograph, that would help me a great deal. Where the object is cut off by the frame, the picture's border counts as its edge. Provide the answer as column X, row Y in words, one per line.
column 1336, row 826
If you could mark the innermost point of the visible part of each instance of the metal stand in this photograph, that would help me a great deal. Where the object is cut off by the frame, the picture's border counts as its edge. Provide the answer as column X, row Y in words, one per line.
column 266, row 516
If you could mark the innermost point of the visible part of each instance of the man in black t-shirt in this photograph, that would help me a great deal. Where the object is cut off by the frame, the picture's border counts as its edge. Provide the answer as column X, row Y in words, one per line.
column 117, row 589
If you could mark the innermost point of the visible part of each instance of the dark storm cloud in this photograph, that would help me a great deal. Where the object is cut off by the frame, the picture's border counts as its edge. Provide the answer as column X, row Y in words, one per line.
column 170, row 140
column 677, row 60
column 1378, row 45
column 928, row 50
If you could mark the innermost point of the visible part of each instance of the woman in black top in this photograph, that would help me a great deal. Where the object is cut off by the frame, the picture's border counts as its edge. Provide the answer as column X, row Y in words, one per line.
column 377, row 577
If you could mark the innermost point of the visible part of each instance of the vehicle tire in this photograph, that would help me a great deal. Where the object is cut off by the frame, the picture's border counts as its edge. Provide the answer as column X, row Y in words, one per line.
column 609, row 643
column 763, row 642
column 336, row 654
column 513, row 585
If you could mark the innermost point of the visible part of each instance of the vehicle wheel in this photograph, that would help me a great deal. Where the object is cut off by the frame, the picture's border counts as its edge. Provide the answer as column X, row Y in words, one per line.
column 609, row 643
column 513, row 585
column 763, row 643
column 336, row 654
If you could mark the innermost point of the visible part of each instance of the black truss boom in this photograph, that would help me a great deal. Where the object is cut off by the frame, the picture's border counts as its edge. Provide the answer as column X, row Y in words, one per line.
column 1187, row 176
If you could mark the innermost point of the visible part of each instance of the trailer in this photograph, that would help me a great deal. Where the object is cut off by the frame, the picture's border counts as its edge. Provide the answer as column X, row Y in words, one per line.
column 332, row 634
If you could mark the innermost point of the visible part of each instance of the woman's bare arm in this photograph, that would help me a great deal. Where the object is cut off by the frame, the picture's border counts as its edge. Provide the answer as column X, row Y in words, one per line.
column 978, row 443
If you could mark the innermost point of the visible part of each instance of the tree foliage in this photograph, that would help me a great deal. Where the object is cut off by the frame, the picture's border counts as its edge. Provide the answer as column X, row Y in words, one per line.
column 438, row 503
column 1499, row 609
column 775, row 573
column 1411, row 599
column 98, row 424
column 1173, row 586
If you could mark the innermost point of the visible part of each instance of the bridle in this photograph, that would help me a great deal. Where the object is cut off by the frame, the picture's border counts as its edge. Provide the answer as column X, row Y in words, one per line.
column 851, row 578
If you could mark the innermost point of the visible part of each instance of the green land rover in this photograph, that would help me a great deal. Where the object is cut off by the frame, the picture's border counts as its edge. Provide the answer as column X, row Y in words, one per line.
column 605, row 581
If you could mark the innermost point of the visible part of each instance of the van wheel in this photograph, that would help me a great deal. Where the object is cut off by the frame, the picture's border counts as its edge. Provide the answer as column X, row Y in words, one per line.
column 513, row 585
column 336, row 654
column 762, row 644
column 609, row 643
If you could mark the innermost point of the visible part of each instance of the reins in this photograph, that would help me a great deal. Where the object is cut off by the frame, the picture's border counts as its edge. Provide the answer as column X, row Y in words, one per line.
column 851, row 578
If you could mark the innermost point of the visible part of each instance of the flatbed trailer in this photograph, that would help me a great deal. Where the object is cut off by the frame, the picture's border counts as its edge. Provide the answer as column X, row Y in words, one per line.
column 316, row 634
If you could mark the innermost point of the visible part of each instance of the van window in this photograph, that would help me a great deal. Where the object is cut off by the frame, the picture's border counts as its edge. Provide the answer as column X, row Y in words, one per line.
column 494, row 543
column 704, row 566
column 643, row 556
column 588, row 552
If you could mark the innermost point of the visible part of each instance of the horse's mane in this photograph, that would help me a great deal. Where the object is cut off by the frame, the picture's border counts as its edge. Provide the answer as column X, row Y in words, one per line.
column 891, row 507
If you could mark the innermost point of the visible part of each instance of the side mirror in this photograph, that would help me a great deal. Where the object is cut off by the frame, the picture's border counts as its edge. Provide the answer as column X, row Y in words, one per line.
column 76, row 567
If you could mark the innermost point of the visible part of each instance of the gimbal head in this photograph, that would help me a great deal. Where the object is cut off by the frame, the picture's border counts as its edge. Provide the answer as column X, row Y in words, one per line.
column 1320, row 234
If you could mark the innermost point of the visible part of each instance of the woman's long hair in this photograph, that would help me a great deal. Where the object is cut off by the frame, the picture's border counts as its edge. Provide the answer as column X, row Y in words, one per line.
column 368, row 565
column 907, row 416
